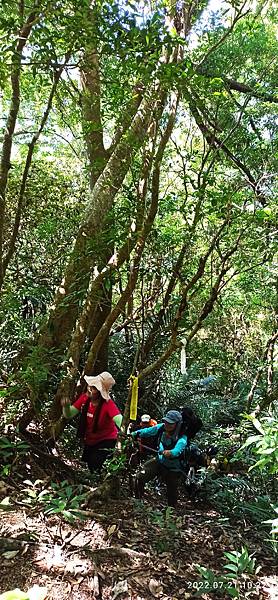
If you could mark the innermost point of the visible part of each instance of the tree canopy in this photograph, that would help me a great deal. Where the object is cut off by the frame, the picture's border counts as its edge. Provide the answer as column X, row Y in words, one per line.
column 138, row 210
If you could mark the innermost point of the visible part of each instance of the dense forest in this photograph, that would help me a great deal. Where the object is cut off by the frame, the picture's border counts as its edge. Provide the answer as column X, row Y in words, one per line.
column 138, row 236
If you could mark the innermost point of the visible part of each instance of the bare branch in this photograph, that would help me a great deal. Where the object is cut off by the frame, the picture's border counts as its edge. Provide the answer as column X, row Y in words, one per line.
column 213, row 140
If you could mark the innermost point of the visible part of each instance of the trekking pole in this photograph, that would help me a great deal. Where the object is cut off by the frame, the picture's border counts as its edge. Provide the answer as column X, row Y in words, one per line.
column 149, row 448
column 125, row 435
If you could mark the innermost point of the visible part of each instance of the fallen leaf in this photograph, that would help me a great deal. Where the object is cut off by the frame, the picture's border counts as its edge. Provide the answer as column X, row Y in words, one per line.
column 76, row 581
column 10, row 554
column 76, row 567
column 93, row 585
column 101, row 574
column 140, row 580
column 111, row 529
column 120, row 588
column 155, row 587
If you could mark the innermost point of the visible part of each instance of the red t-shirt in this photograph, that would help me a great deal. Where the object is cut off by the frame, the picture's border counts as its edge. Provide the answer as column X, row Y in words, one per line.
column 106, row 428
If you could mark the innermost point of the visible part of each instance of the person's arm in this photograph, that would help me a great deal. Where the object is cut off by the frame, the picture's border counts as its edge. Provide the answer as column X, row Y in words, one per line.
column 148, row 431
column 118, row 420
column 113, row 413
column 178, row 449
column 69, row 411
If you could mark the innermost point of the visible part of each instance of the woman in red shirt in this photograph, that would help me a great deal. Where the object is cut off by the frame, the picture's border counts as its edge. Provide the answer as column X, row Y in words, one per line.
column 100, row 419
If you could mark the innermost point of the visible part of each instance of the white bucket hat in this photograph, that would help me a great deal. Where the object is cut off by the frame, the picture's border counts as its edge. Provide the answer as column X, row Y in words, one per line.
column 102, row 382
column 145, row 418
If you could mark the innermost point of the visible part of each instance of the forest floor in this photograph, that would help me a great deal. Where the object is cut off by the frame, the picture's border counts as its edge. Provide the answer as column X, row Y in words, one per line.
column 123, row 549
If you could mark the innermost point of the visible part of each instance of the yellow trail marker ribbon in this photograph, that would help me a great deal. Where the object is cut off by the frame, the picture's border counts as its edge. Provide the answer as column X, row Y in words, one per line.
column 134, row 398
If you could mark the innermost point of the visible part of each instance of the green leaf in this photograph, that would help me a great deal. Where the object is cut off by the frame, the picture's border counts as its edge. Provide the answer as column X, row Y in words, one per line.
column 268, row 451
column 258, row 426
column 233, row 592
column 5, row 504
column 251, row 440
column 232, row 556
column 10, row 554
column 230, row 567
column 259, row 463
column 69, row 516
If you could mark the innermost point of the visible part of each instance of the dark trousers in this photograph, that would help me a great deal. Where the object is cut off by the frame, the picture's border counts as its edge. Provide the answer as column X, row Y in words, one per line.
column 96, row 455
column 150, row 470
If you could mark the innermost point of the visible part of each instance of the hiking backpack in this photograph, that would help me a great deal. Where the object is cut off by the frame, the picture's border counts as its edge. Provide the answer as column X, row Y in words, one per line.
column 191, row 423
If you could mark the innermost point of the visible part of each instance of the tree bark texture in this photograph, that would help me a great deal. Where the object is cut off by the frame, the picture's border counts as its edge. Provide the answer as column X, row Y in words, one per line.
column 100, row 329
column 84, row 254
column 139, row 248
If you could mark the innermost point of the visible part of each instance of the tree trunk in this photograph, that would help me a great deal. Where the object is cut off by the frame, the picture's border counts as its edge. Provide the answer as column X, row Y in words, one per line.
column 86, row 249
column 134, row 271
column 103, row 316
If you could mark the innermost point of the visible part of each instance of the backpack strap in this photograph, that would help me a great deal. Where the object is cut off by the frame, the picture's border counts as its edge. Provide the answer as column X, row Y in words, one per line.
column 178, row 434
column 159, row 436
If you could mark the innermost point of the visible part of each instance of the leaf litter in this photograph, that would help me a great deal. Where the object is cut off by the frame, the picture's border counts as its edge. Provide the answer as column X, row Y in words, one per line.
column 133, row 557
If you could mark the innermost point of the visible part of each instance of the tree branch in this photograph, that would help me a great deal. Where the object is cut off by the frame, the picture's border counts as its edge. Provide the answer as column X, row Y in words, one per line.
column 174, row 344
column 91, row 103
column 11, row 120
column 20, row 206
column 213, row 140
column 238, row 16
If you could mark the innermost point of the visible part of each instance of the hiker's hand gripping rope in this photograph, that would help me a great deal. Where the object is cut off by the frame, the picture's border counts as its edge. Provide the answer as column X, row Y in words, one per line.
column 167, row 453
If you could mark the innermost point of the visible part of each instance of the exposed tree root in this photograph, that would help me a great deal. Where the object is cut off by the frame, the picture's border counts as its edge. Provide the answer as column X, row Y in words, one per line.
column 110, row 488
